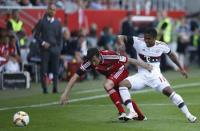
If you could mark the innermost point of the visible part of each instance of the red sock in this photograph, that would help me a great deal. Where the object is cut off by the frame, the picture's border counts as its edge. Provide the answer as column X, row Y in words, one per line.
column 137, row 109
column 114, row 96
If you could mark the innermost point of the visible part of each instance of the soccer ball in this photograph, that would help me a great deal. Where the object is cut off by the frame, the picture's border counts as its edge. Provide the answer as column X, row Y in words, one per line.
column 21, row 118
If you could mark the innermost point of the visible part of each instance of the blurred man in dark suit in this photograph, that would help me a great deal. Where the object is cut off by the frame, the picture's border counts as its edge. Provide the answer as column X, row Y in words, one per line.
column 48, row 33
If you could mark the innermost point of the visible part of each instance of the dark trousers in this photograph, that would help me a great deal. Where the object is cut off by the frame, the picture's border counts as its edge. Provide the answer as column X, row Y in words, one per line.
column 49, row 63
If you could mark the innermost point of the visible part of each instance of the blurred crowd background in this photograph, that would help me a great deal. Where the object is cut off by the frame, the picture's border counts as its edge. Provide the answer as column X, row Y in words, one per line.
column 177, row 23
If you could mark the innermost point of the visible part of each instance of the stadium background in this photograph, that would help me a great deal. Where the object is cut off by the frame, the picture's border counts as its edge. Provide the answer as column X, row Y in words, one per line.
column 90, row 109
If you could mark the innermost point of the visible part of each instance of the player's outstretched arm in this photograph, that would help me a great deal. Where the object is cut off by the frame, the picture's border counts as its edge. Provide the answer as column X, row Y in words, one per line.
column 65, row 95
column 174, row 58
column 140, row 63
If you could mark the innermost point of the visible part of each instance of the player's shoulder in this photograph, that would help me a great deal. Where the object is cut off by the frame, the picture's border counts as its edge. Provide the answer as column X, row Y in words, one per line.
column 139, row 42
column 138, row 38
column 160, row 43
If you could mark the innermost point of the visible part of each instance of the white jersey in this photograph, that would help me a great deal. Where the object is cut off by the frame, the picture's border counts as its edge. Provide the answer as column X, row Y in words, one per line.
column 150, row 55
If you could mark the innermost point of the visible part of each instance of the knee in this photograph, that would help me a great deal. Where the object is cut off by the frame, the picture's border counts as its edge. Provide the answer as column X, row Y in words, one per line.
column 125, row 83
column 168, row 91
column 108, row 86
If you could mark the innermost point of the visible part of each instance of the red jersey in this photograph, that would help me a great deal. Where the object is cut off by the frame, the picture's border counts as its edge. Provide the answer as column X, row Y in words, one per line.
column 5, row 51
column 112, row 66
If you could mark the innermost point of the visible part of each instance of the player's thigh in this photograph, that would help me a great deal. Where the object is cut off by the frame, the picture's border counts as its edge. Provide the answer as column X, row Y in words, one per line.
column 137, row 82
column 158, row 82
column 118, row 76
column 108, row 84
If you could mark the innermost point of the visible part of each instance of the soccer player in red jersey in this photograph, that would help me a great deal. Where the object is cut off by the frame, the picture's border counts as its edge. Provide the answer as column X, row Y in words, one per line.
column 112, row 66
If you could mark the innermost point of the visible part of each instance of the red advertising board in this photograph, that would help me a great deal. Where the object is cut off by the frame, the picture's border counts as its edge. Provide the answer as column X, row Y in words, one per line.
column 79, row 19
column 29, row 17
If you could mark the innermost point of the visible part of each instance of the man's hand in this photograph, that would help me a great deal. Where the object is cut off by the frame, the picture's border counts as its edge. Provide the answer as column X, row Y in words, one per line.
column 184, row 73
column 64, row 99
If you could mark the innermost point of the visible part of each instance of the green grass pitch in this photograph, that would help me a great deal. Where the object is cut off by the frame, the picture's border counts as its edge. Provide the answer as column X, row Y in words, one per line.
column 90, row 108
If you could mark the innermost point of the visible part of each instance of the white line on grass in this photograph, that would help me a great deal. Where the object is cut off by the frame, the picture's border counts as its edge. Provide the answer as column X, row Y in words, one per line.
column 139, row 91
column 90, row 91
column 141, row 104
column 92, row 98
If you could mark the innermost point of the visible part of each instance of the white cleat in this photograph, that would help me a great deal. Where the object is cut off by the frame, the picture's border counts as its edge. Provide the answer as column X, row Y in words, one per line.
column 131, row 116
column 192, row 118
column 122, row 116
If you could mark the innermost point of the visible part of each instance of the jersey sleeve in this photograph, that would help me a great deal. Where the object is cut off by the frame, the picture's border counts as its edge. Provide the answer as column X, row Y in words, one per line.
column 84, row 68
column 136, row 41
column 113, row 56
column 166, row 49
column 123, row 59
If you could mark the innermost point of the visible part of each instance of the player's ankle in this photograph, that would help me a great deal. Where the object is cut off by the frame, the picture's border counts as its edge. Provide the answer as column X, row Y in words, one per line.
column 188, row 114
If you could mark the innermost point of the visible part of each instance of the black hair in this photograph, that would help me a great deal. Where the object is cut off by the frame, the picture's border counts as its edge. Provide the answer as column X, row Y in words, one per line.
column 151, row 31
column 92, row 52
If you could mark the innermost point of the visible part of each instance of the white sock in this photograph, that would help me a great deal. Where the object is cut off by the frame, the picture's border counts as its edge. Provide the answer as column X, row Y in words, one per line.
column 185, row 110
column 126, row 97
column 130, row 107
column 178, row 101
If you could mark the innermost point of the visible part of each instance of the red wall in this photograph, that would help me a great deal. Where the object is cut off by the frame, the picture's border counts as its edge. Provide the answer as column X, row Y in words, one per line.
column 112, row 18
column 102, row 18
column 29, row 16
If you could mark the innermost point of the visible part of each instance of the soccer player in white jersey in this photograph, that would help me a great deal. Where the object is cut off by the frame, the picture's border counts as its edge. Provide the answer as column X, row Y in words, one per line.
column 150, row 50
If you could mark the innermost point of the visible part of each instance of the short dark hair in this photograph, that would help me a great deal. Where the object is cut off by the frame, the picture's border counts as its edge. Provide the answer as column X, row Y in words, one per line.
column 151, row 31
column 92, row 52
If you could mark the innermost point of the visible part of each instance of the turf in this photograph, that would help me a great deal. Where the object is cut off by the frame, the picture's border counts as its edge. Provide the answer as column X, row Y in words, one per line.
column 99, row 114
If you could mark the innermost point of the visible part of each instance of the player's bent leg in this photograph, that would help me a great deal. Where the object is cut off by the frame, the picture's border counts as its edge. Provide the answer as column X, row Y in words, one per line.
column 138, row 84
column 178, row 101
column 126, row 97
column 114, row 96
column 141, row 116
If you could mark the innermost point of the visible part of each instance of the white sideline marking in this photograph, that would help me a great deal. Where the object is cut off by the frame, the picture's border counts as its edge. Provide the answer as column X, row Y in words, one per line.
column 141, row 104
column 91, row 98
column 89, row 91
column 139, row 91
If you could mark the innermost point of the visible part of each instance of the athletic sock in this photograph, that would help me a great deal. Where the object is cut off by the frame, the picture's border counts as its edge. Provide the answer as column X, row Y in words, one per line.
column 126, row 98
column 130, row 104
column 137, row 109
column 178, row 101
column 114, row 96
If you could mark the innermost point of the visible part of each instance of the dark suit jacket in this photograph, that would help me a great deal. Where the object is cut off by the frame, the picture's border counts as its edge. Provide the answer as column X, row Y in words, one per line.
column 50, row 32
column 127, row 29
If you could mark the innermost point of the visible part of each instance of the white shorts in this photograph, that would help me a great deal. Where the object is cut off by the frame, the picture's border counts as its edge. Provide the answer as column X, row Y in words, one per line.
column 155, row 81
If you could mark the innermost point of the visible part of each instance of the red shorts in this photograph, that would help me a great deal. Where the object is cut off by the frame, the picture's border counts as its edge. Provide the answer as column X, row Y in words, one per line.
column 118, row 76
